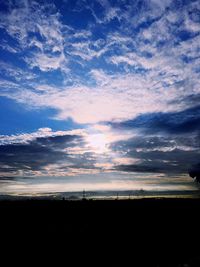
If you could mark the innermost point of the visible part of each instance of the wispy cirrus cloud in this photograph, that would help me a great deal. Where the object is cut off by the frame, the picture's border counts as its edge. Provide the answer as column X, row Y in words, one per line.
column 130, row 95
column 41, row 33
column 153, row 70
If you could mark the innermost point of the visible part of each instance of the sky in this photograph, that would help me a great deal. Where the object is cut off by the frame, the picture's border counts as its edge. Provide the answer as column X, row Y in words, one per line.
column 99, row 95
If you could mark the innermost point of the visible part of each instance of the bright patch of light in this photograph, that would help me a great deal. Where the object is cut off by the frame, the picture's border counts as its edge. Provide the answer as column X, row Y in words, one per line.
column 98, row 142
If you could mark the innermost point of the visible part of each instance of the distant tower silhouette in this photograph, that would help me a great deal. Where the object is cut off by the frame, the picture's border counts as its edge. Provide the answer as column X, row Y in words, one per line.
column 84, row 195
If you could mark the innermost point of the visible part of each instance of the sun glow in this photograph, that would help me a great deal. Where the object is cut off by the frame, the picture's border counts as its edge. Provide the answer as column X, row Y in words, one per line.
column 98, row 142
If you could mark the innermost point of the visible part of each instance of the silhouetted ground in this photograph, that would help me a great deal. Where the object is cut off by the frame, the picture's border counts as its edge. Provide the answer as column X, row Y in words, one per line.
column 154, row 232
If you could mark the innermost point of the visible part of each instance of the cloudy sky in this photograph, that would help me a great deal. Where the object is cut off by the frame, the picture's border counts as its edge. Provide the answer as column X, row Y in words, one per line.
column 101, row 94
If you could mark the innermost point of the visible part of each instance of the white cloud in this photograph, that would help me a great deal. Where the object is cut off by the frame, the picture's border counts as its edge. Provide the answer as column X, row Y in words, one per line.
column 47, row 62
column 119, row 97
column 161, row 3
column 32, row 18
column 126, row 161
column 42, row 132
column 154, row 76
column 16, row 73
column 9, row 48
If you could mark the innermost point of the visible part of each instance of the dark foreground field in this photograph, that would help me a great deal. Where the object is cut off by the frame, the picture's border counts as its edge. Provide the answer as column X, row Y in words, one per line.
column 155, row 232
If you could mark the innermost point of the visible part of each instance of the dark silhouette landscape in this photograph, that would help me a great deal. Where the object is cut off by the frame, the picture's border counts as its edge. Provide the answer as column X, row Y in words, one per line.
column 143, row 232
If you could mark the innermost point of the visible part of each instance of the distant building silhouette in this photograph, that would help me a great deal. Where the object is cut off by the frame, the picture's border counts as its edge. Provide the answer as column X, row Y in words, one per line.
column 84, row 195
column 117, row 196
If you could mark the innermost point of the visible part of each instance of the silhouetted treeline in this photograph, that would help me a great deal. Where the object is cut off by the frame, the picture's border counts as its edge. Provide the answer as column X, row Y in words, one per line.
column 148, row 232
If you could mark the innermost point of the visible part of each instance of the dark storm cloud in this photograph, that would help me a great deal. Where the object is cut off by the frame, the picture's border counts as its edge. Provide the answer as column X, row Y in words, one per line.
column 39, row 153
column 170, row 162
column 149, row 167
column 166, row 143
column 58, row 141
column 186, row 121
column 160, row 142
column 27, row 156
